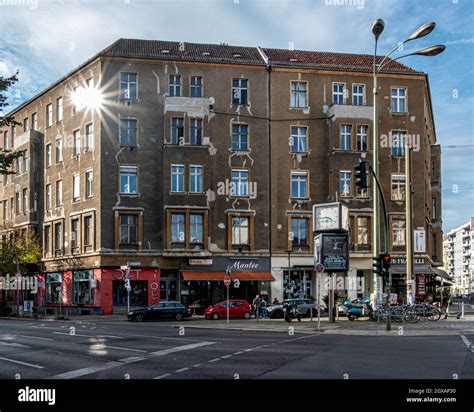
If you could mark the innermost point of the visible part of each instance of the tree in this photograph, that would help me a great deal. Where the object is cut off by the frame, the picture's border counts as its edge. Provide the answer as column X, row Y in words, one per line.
column 7, row 157
column 26, row 251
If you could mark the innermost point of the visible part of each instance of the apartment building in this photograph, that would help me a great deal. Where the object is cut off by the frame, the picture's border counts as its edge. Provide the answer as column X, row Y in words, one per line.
column 459, row 263
column 174, row 162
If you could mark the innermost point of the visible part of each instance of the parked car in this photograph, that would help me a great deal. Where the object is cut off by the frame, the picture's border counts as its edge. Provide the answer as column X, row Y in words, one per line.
column 238, row 308
column 304, row 306
column 199, row 306
column 162, row 310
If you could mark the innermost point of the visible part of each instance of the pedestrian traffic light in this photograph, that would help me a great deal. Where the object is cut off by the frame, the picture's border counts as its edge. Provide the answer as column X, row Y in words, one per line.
column 377, row 265
column 385, row 262
column 361, row 175
column 382, row 264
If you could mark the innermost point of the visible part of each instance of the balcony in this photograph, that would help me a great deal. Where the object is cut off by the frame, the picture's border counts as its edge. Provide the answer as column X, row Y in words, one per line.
column 466, row 252
column 349, row 111
column 465, row 233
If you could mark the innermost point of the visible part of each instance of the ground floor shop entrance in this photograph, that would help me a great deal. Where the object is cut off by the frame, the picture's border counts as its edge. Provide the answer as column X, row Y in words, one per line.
column 138, row 293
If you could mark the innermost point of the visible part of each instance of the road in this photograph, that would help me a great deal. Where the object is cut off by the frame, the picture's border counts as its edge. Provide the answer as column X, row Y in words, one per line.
column 162, row 350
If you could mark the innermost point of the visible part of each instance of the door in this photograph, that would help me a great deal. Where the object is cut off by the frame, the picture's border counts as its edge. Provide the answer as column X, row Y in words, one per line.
column 156, row 311
column 168, row 290
column 238, row 309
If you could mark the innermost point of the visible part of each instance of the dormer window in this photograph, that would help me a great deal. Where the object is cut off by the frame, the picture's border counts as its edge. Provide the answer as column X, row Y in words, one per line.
column 237, row 55
column 206, row 54
column 165, row 51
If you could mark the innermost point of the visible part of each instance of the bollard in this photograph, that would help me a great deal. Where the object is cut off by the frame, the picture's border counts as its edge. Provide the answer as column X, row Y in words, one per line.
column 462, row 310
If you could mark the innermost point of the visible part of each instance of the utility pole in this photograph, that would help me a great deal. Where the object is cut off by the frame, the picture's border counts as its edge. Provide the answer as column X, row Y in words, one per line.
column 409, row 224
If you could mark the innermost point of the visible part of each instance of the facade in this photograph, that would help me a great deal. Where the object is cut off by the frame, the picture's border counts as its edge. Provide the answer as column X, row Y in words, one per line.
column 180, row 161
column 459, row 264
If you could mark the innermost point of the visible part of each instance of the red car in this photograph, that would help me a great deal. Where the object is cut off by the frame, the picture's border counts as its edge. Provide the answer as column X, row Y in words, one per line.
column 238, row 308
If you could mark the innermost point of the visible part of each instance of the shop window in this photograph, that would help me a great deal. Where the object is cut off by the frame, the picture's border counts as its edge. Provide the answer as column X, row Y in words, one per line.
column 54, row 287
column 82, row 291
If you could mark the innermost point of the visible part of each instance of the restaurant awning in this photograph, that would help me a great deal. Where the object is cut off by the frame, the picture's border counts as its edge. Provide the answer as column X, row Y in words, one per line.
column 417, row 269
column 219, row 276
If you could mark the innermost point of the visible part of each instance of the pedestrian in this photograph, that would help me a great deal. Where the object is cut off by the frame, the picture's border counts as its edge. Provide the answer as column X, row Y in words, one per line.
column 257, row 303
column 264, row 308
column 276, row 302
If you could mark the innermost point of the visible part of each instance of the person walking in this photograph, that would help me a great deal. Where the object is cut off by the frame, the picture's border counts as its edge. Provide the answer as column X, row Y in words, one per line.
column 257, row 304
column 264, row 308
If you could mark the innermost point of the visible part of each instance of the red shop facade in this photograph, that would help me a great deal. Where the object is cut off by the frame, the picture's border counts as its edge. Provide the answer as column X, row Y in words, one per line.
column 99, row 291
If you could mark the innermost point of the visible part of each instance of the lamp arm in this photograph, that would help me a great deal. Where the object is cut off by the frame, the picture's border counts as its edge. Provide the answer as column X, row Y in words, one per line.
column 397, row 58
column 383, row 63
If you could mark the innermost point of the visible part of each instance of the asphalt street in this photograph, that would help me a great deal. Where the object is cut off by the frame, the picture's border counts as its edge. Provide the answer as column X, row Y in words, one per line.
column 88, row 349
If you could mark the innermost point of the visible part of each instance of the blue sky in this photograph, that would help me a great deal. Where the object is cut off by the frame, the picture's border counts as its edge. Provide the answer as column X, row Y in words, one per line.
column 45, row 39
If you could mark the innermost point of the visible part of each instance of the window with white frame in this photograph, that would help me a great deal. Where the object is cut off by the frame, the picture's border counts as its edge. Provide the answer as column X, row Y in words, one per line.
column 399, row 102
column 174, row 85
column 177, row 130
column 398, row 143
column 240, row 182
column 59, row 193
column 177, row 178
column 6, row 143
column 25, row 207
column 195, row 131
column 398, row 232
column 239, row 91
column 59, row 109
column 128, row 132
column 58, row 238
column 59, row 150
column 75, row 234
column 34, row 121
column 363, row 228
column 195, row 179
column 398, row 187
column 195, row 87
column 345, row 178
column 76, row 188
column 240, row 137
column 128, row 229
column 17, row 202
column 358, row 94
column 89, row 143
column 48, row 155
column 346, row 135
column 48, row 197
column 362, row 138
column 13, row 136
column 128, row 86
column 47, row 239
column 128, row 179
column 49, row 115
column 240, row 230
column 178, row 228
column 299, row 94
column 26, row 122
column 338, row 93
column 196, row 228
column 299, row 231
column 76, row 143
column 88, row 231
column 89, row 183
column 299, row 143
column 299, row 185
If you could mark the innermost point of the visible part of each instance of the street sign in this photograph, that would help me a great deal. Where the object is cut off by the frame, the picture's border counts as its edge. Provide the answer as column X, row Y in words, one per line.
column 227, row 281
column 319, row 268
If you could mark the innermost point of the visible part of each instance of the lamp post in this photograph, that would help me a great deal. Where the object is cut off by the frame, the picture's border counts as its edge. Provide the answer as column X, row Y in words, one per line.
column 377, row 29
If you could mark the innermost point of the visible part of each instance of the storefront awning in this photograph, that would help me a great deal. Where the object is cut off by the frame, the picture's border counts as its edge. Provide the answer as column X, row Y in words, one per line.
column 219, row 276
column 417, row 269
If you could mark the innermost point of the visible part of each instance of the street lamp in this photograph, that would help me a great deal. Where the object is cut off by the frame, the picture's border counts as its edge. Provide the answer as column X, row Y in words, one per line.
column 377, row 29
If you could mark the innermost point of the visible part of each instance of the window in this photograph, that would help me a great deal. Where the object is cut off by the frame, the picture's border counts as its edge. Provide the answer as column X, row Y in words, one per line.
column 34, row 121
column 338, row 90
column 17, row 203
column 54, row 287
column 48, row 155
column 6, row 143
column 346, row 133
column 175, row 85
column 362, row 139
column 89, row 183
column 358, row 94
column 239, row 91
column 25, row 207
column 25, row 161
column 433, row 208
column 128, row 179
column 5, row 210
column 13, row 136
column 129, row 229
column 299, row 94
column 58, row 238
column 196, row 86
column 398, row 233
column 89, row 136
column 178, row 231
column 399, row 100
column 299, row 140
column 240, row 182
column 59, row 193
column 74, row 94
column 128, row 132
column 240, row 230
column 398, row 187
column 76, row 143
column 177, row 178
column 59, row 150
column 177, row 130
column 76, row 188
column 345, row 183
column 75, row 235
column 82, row 291
column 195, row 179
column 59, row 109
column 49, row 115
column 196, row 228
column 195, row 131
column 363, row 230
column 48, row 197
column 299, row 185
column 128, row 86
column 240, row 137
column 299, row 231
column 90, row 83
column 26, row 122
column 47, row 239
column 398, row 143
column 88, row 231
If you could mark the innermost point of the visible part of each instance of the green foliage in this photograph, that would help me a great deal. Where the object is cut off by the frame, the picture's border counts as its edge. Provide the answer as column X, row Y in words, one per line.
column 26, row 251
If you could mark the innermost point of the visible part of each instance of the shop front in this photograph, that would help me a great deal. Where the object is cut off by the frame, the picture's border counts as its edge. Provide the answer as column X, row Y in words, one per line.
column 202, row 280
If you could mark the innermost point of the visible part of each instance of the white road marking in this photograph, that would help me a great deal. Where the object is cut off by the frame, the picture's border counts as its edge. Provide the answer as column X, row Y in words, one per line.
column 34, row 337
column 22, row 363
column 181, row 370
column 163, row 376
column 214, row 360
column 226, row 356
column 248, row 350
column 13, row 344
column 120, row 348
column 197, row 365
column 238, row 353
column 466, row 341
column 181, row 348
column 86, row 336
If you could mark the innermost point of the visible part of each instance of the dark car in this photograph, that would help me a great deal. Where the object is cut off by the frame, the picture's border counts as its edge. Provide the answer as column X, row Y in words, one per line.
column 162, row 310
column 304, row 307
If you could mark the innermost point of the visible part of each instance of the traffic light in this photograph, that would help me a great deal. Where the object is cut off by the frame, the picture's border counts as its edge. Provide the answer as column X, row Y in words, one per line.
column 381, row 264
column 385, row 262
column 377, row 265
column 361, row 175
